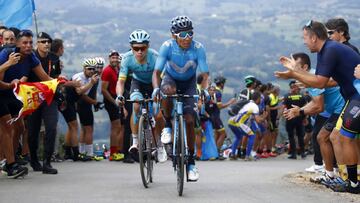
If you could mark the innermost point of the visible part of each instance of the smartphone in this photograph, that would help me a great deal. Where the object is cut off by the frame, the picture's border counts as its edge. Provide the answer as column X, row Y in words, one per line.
column 17, row 50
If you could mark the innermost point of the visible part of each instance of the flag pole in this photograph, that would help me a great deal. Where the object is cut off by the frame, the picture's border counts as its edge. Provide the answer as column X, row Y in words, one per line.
column 36, row 25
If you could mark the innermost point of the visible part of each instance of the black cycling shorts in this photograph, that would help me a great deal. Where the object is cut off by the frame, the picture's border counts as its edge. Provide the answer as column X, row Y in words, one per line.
column 351, row 118
column 85, row 114
column 143, row 88
column 112, row 109
column 217, row 123
column 9, row 105
column 330, row 123
column 183, row 87
column 69, row 112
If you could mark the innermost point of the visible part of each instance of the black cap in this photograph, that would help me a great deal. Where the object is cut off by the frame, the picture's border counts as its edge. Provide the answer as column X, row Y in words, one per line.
column 44, row 35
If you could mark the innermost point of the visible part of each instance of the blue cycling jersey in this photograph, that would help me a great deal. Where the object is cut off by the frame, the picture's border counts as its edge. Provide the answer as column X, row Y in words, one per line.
column 141, row 72
column 181, row 64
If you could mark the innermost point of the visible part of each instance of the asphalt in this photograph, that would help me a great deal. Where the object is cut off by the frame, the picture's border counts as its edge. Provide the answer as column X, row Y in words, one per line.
column 260, row 181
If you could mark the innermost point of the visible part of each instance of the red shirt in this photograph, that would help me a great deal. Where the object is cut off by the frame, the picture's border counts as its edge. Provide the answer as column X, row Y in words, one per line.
column 110, row 75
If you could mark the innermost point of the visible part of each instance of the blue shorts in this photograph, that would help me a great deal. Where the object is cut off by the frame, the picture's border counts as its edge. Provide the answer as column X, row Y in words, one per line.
column 182, row 87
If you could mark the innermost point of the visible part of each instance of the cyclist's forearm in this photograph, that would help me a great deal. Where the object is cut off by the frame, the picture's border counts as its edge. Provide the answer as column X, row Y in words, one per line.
column 120, row 87
column 156, row 78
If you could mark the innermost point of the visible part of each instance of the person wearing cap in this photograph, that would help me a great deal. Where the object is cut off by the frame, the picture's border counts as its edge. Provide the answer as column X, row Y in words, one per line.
column 179, row 58
column 109, row 80
column 47, row 113
column 140, row 60
column 295, row 98
column 220, row 133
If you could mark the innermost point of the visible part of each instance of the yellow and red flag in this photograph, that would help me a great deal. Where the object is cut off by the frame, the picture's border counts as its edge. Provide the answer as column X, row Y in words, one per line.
column 33, row 94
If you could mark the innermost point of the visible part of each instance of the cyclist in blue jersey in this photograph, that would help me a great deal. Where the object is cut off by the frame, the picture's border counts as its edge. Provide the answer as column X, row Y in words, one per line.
column 179, row 59
column 140, row 60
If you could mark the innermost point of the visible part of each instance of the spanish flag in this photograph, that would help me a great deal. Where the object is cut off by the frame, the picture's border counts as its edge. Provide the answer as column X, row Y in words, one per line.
column 32, row 94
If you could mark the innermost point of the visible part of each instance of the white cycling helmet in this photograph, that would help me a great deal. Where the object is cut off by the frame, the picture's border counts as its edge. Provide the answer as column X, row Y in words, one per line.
column 100, row 61
column 89, row 62
column 139, row 36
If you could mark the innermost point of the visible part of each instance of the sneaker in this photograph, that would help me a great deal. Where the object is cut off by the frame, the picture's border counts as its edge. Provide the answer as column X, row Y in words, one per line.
column 233, row 157
column 133, row 149
column 128, row 159
column 15, row 171
column 323, row 179
column 20, row 160
column 353, row 190
column 84, row 157
column 272, row 154
column 56, row 158
column 116, row 157
column 166, row 135
column 193, row 173
column 315, row 169
column 292, row 156
column 264, row 155
column 161, row 155
column 97, row 158
column 341, row 186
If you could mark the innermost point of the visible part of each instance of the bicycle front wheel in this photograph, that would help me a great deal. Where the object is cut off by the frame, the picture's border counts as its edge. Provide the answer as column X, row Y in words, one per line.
column 180, row 152
column 144, row 154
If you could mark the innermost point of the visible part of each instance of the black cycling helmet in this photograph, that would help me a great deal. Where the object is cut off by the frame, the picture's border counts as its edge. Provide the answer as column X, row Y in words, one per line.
column 180, row 23
column 249, row 79
column 219, row 79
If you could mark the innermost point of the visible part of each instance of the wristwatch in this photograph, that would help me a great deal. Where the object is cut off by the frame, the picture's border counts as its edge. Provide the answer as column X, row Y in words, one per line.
column 302, row 113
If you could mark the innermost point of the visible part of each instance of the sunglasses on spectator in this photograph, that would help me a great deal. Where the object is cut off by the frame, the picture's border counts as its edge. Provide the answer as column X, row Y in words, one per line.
column 143, row 48
column 44, row 41
column 309, row 24
column 90, row 69
column 185, row 34
column 331, row 32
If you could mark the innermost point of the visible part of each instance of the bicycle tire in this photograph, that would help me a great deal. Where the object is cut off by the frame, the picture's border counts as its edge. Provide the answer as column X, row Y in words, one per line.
column 180, row 148
column 145, row 170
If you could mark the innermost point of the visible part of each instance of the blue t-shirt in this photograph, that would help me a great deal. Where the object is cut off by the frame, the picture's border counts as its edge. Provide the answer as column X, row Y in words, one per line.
column 333, row 101
column 141, row 72
column 17, row 71
column 338, row 61
column 181, row 64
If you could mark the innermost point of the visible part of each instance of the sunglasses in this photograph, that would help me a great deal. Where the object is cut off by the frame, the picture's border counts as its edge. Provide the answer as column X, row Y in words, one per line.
column 331, row 32
column 90, row 69
column 185, row 34
column 309, row 24
column 44, row 41
column 139, row 48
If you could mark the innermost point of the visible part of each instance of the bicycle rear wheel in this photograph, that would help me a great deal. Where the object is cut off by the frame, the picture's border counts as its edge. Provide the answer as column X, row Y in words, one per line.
column 180, row 152
column 144, row 154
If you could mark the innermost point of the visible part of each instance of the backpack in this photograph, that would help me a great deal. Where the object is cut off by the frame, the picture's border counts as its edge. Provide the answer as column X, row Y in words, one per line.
column 234, row 109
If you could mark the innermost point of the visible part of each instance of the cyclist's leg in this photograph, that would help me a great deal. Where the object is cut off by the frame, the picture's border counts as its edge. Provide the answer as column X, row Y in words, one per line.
column 168, row 87
column 115, row 132
column 350, row 127
column 135, row 94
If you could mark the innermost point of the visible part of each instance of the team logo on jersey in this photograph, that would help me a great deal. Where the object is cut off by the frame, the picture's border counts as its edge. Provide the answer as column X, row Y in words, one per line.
column 189, row 64
column 166, row 43
column 197, row 45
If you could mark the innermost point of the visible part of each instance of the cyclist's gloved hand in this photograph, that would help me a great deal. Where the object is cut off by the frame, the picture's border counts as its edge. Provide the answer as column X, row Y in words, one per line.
column 120, row 99
column 98, row 106
column 155, row 94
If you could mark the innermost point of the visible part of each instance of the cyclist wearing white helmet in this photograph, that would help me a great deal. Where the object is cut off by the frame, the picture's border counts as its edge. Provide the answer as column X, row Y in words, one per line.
column 84, row 109
column 140, row 60
column 179, row 58
column 87, row 79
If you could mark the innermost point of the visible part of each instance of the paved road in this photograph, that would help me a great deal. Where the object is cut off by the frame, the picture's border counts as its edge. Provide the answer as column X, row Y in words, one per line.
column 226, row 181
